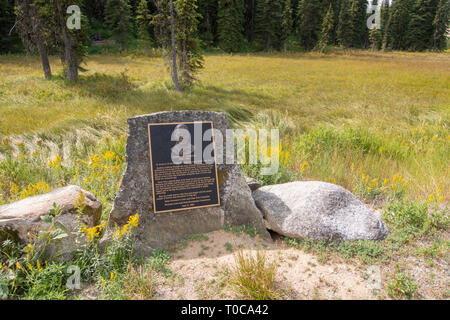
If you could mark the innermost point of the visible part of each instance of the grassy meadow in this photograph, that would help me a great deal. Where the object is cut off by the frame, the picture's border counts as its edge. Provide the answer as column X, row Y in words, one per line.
column 387, row 114
column 377, row 124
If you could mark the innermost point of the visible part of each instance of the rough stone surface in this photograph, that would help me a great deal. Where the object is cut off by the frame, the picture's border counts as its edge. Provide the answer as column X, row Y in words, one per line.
column 21, row 220
column 252, row 183
column 164, row 229
column 317, row 210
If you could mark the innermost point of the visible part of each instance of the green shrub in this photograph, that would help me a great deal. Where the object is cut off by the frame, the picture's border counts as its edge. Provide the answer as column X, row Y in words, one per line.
column 413, row 219
column 4, row 286
column 437, row 249
column 198, row 237
column 137, row 283
column 48, row 283
column 159, row 260
column 401, row 287
column 367, row 251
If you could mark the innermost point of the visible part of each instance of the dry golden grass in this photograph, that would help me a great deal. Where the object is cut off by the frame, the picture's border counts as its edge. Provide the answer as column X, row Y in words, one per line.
column 253, row 276
column 402, row 99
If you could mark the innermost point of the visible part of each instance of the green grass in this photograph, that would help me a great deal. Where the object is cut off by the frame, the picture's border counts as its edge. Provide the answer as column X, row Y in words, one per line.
column 366, row 251
column 237, row 230
column 159, row 260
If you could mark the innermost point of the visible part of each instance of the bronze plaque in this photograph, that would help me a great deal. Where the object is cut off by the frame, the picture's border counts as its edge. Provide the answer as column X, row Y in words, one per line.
column 181, row 178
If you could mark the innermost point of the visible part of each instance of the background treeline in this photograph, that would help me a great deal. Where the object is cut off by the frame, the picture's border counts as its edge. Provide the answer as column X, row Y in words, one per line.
column 256, row 25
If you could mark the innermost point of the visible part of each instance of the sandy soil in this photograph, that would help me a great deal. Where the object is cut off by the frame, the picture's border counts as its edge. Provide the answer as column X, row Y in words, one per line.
column 199, row 271
column 200, row 267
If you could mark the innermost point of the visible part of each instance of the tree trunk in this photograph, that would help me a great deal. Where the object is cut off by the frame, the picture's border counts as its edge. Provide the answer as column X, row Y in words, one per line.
column 70, row 58
column 44, row 59
column 285, row 46
column 174, row 50
column 35, row 23
column 268, row 42
column 386, row 33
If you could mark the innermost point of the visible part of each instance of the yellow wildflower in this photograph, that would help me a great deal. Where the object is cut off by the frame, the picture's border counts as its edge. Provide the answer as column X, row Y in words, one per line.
column 108, row 155
column 79, row 203
column 304, row 166
column 34, row 189
column 134, row 220
column 287, row 155
column 14, row 189
column 94, row 232
column 56, row 162
column 113, row 276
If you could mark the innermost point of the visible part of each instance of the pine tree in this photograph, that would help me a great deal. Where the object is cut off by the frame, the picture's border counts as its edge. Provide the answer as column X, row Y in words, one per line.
column 344, row 30
column 420, row 28
column 440, row 25
column 326, row 36
column 143, row 20
column 230, row 25
column 31, row 29
column 268, row 20
column 354, row 23
column 250, row 13
column 190, row 57
column 385, row 24
column 23, row 24
column 71, row 44
column 176, row 25
column 162, row 24
column 287, row 23
column 374, row 38
column 117, row 17
column 399, row 16
column 208, row 24
column 310, row 14
column 9, row 41
column 358, row 18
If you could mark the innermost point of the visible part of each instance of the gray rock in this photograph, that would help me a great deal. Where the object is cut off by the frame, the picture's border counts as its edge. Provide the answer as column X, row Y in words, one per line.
column 164, row 229
column 317, row 210
column 252, row 183
column 21, row 220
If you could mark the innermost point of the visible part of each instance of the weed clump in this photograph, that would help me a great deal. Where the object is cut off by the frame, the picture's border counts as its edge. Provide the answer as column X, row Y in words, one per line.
column 253, row 276
column 402, row 287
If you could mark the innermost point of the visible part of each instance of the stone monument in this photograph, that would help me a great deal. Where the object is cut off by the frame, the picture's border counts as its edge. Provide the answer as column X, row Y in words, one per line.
column 179, row 213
